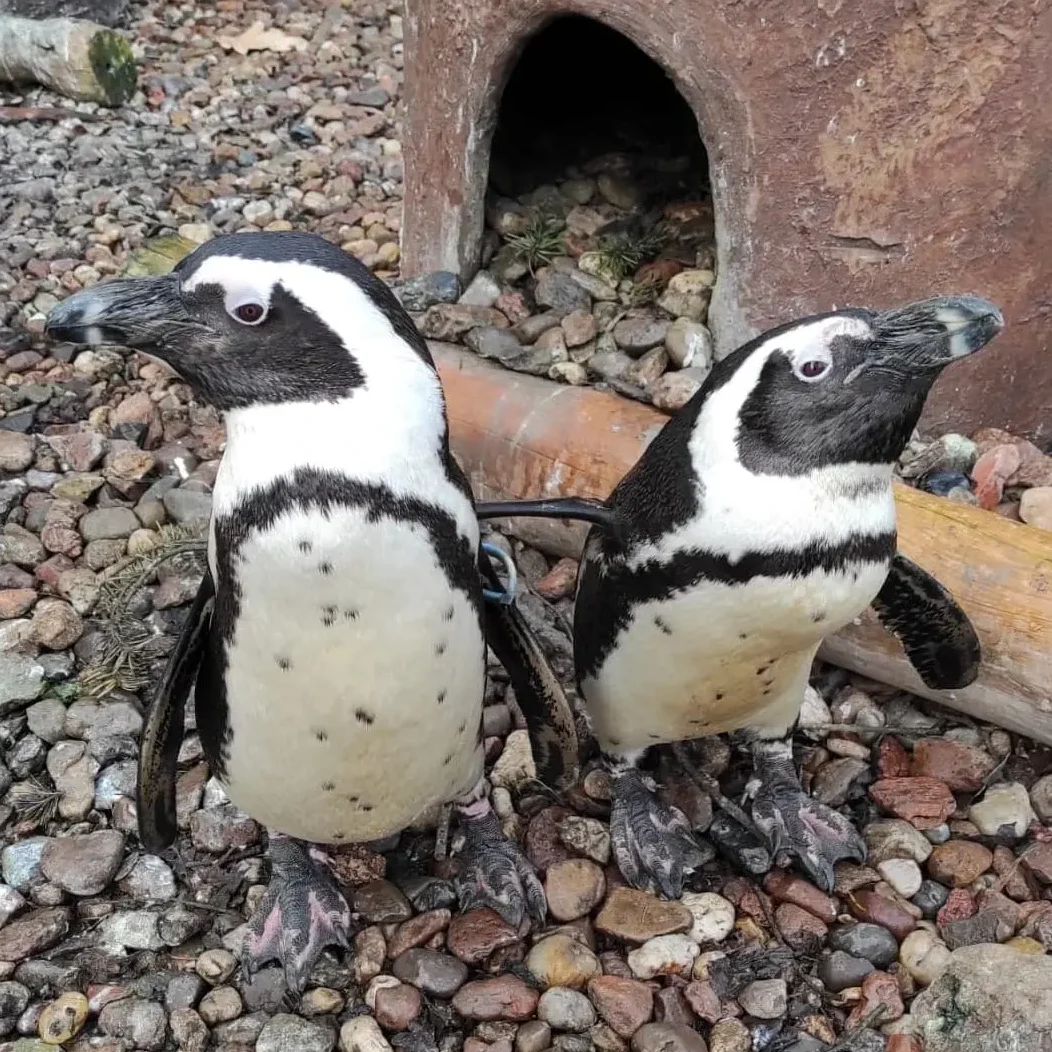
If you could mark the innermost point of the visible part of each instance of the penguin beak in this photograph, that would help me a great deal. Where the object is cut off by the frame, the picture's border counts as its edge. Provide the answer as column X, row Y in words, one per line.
column 128, row 312
column 922, row 338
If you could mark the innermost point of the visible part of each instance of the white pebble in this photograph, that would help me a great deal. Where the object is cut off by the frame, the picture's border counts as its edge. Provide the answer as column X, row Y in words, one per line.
column 381, row 982
column 924, row 956
column 663, row 955
column 713, row 916
column 363, row 1034
column 903, row 874
column 1003, row 805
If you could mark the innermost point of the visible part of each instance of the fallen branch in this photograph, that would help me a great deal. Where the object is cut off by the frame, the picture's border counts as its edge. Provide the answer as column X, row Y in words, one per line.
column 80, row 60
column 40, row 113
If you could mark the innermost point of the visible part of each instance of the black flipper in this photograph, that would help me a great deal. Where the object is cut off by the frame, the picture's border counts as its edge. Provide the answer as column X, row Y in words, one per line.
column 540, row 696
column 586, row 509
column 935, row 632
column 162, row 733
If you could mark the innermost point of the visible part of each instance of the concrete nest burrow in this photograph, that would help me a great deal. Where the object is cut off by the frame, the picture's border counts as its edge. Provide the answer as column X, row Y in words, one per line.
column 595, row 156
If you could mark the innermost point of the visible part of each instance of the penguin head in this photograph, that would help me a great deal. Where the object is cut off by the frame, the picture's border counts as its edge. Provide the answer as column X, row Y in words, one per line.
column 256, row 318
column 845, row 386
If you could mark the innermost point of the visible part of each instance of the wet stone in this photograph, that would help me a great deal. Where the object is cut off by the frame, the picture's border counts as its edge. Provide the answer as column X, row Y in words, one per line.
column 868, row 941
column 436, row 974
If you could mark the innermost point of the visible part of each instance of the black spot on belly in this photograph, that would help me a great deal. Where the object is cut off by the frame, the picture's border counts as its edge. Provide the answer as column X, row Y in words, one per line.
column 462, row 727
column 615, row 741
column 767, row 690
column 719, row 695
column 663, row 625
column 448, row 615
column 327, row 787
column 352, row 799
column 322, row 736
column 743, row 635
column 818, row 616
column 762, row 669
column 654, row 737
column 339, row 836
column 440, row 648
column 448, row 760
column 325, row 568
column 441, row 696
column 350, row 615
column 367, row 807
column 283, row 663
column 362, row 716
column 328, row 616
column 306, row 547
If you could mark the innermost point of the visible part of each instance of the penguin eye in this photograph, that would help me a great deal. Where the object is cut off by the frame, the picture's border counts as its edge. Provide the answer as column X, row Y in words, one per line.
column 250, row 312
column 813, row 369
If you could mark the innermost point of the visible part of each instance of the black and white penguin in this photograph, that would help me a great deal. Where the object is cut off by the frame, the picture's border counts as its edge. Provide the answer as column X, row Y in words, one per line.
column 338, row 640
column 760, row 520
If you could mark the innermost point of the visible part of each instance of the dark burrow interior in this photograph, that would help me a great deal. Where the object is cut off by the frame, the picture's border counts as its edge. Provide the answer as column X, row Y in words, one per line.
column 585, row 107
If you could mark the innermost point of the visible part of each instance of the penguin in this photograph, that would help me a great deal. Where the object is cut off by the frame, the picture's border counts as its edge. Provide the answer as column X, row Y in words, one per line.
column 760, row 520
column 337, row 646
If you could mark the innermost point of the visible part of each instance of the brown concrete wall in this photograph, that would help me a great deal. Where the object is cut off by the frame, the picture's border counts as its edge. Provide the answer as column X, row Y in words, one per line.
column 861, row 153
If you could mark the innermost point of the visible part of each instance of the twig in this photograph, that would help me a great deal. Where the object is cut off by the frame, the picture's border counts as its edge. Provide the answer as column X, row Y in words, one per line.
column 712, row 787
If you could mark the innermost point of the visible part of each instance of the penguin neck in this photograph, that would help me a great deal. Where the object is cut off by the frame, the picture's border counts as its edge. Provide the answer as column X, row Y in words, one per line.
column 390, row 431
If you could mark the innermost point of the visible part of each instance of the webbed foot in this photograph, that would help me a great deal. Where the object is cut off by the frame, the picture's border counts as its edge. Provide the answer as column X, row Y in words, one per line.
column 493, row 870
column 302, row 913
column 652, row 841
column 793, row 823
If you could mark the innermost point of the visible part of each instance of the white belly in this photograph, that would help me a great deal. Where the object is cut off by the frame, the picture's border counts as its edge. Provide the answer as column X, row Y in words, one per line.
column 719, row 658
column 355, row 680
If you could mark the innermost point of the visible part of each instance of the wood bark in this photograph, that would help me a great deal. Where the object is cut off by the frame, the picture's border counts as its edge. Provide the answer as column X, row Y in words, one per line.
column 519, row 436
column 80, row 60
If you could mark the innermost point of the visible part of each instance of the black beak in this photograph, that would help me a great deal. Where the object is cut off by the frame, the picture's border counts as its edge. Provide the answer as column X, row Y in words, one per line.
column 924, row 337
column 129, row 312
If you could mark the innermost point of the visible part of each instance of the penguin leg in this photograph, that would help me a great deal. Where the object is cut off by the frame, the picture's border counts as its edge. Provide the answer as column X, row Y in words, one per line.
column 652, row 841
column 791, row 821
column 302, row 913
column 494, row 872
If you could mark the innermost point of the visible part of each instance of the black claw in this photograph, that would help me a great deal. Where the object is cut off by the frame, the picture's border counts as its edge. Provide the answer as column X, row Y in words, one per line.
column 816, row 834
column 302, row 913
column 495, row 873
column 652, row 841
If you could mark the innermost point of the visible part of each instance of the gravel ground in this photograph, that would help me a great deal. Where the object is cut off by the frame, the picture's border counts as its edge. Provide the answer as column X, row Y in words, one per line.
column 103, row 458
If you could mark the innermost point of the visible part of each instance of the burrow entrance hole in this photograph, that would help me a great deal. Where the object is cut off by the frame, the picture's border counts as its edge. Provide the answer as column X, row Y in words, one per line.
column 595, row 150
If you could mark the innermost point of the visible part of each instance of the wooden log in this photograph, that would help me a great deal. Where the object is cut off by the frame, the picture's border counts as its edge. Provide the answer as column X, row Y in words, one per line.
column 80, row 60
column 519, row 436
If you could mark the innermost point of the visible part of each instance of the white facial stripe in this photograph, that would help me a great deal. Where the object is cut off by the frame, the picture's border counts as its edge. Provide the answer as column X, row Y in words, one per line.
column 814, row 340
column 955, row 322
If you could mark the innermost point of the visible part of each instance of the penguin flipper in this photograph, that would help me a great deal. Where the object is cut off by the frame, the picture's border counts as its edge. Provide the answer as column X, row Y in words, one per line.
column 585, row 509
column 935, row 632
column 162, row 731
column 540, row 696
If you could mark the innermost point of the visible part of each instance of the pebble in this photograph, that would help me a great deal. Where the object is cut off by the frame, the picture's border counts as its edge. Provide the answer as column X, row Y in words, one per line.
column 713, row 916
column 438, row 286
column 634, row 336
column 20, row 863
column 729, row 1035
column 514, row 767
column 1004, row 809
column 924, row 956
column 506, row 997
column 83, row 865
column 963, row 768
column 482, row 291
column 1035, row 507
column 959, row 863
column 220, row 1005
column 663, row 955
column 903, row 874
column 289, row 1033
column 437, row 974
column 802, row 931
column 573, row 888
column 130, row 930
column 215, row 966
column 636, row 916
column 924, row 802
column 880, row 992
column 361, row 1034
column 765, row 998
column 624, row 1004
column 868, row 941
column 560, row 960
column 139, row 1022
column 34, row 933
column 841, row 971
column 560, row 292
column 784, row 886
column 63, row 1019
column 894, row 838
column 667, row 1037
column 398, row 1006
column 565, row 1009
column 474, row 935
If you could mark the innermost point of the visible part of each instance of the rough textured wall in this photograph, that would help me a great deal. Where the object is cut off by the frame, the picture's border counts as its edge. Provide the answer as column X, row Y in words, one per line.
column 860, row 153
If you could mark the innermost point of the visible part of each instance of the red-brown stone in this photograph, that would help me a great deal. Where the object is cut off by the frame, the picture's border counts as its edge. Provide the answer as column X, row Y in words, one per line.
column 925, row 802
column 874, row 908
column 963, row 768
column 784, row 886
column 892, row 759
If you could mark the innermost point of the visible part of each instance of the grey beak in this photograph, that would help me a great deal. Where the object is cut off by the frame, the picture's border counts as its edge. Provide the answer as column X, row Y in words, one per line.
column 930, row 334
column 130, row 312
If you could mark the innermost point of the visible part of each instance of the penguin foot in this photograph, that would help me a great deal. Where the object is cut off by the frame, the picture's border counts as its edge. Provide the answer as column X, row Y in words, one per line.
column 493, row 870
column 651, row 840
column 302, row 913
column 794, row 824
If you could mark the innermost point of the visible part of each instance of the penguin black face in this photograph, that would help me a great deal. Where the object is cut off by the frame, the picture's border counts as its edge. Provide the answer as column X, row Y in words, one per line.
column 253, row 318
column 846, row 386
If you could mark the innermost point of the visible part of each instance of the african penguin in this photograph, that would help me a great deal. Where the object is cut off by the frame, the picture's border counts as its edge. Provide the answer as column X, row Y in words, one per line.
column 759, row 520
column 338, row 640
